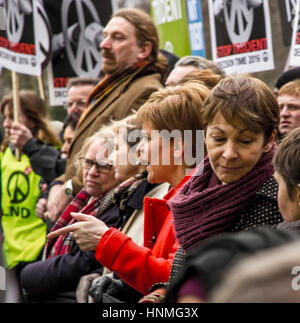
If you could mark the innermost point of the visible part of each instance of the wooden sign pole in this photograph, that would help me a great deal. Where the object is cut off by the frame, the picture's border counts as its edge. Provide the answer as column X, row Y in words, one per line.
column 41, row 87
column 16, row 103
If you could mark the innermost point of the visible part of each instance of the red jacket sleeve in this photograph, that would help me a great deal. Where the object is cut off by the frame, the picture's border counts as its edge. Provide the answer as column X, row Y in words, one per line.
column 138, row 266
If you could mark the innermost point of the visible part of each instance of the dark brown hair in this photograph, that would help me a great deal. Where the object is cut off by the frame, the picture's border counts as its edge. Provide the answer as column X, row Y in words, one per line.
column 244, row 98
column 34, row 108
column 82, row 81
column 145, row 31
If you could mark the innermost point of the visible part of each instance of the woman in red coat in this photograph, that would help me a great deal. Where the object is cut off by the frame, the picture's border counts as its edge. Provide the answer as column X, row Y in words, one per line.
column 170, row 121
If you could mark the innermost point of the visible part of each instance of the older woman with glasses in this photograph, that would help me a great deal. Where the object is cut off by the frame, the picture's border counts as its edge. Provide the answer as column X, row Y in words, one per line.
column 63, row 261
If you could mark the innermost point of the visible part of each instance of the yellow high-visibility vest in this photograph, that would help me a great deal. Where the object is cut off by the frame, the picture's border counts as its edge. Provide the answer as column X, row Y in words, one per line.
column 24, row 233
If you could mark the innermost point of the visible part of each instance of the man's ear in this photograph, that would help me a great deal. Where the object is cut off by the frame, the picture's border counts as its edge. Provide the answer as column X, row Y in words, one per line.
column 145, row 51
column 270, row 142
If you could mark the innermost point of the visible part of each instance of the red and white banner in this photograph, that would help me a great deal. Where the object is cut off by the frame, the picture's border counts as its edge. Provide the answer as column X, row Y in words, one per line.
column 77, row 27
column 25, row 42
column 241, row 35
column 295, row 42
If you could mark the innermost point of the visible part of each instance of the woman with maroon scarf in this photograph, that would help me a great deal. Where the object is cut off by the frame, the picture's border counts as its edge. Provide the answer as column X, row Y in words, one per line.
column 236, row 190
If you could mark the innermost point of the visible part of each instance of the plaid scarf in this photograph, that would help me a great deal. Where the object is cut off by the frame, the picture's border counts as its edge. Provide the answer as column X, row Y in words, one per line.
column 83, row 203
column 124, row 190
column 121, row 195
column 109, row 83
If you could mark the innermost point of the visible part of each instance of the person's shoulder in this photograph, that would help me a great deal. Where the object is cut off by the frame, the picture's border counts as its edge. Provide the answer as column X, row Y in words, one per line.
column 269, row 189
column 147, row 81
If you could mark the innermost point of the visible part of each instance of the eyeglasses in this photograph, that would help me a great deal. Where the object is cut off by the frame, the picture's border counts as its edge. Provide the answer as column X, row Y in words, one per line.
column 79, row 103
column 88, row 164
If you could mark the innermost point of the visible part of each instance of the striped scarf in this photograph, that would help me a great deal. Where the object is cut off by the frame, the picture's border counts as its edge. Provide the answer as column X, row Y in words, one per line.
column 124, row 191
column 204, row 207
column 108, row 84
column 81, row 203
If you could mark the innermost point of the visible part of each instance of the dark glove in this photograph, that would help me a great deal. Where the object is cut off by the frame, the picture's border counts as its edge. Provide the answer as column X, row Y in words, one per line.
column 107, row 289
column 82, row 291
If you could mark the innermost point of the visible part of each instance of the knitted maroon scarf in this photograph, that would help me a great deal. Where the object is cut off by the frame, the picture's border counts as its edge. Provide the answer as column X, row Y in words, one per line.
column 204, row 207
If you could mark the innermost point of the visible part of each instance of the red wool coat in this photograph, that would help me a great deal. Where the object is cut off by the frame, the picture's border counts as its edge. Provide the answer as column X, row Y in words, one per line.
column 141, row 267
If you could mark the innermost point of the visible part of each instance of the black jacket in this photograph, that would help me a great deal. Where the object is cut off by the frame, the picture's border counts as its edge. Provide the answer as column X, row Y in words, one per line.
column 209, row 261
column 45, row 160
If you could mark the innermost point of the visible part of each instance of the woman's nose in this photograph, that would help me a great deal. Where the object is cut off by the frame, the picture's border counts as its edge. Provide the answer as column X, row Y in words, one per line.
column 230, row 151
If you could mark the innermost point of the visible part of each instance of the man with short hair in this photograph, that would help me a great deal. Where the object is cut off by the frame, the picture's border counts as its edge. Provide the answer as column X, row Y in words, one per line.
column 133, row 69
column 79, row 89
column 289, row 103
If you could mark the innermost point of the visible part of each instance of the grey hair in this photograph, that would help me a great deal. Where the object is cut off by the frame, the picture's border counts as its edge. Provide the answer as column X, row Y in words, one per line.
column 105, row 134
column 200, row 63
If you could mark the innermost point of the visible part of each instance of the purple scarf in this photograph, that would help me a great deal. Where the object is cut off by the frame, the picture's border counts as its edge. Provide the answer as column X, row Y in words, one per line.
column 204, row 207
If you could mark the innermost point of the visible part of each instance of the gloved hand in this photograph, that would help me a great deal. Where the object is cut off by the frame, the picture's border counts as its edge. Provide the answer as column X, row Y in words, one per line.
column 105, row 284
column 110, row 289
column 82, row 291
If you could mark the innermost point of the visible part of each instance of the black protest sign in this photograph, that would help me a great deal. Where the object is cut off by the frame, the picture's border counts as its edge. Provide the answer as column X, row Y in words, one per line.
column 77, row 31
column 20, row 50
column 241, row 35
column 287, row 15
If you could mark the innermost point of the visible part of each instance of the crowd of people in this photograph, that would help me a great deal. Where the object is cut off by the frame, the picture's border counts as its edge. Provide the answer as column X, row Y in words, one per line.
column 170, row 181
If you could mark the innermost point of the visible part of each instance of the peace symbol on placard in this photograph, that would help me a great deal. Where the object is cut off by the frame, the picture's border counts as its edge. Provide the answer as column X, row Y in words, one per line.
column 15, row 18
column 44, row 35
column 85, row 56
column 238, row 20
column 14, row 21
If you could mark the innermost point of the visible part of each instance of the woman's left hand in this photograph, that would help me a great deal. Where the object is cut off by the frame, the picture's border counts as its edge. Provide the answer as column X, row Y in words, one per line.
column 87, row 232
column 19, row 135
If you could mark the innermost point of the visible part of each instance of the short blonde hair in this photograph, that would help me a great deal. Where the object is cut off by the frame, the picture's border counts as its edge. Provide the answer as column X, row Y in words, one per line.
column 291, row 88
column 176, row 108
